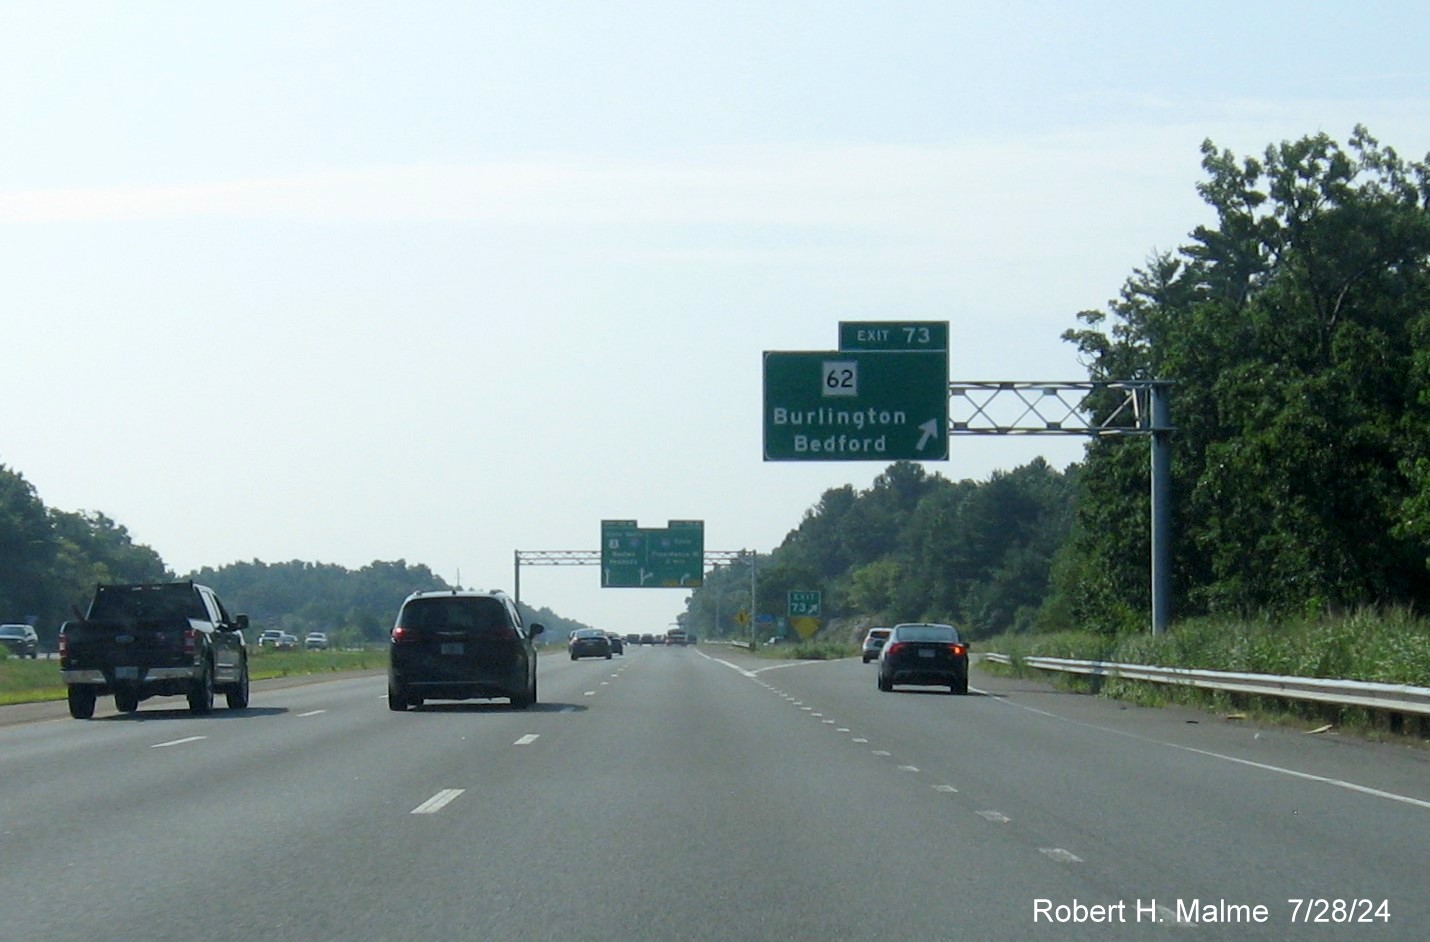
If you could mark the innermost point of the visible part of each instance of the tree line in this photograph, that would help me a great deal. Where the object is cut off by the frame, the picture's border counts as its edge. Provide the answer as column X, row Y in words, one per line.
column 51, row 560
column 911, row 547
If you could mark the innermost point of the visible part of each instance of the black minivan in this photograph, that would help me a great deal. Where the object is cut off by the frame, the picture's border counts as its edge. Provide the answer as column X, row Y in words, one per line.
column 461, row 645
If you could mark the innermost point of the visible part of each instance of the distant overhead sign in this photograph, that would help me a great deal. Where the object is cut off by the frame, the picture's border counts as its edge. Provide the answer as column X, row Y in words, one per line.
column 634, row 557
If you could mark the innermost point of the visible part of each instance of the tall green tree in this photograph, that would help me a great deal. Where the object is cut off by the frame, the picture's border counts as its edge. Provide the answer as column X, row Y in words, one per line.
column 1294, row 329
column 27, row 549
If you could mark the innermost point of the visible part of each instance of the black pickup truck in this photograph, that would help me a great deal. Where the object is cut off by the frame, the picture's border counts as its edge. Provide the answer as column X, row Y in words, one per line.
column 165, row 639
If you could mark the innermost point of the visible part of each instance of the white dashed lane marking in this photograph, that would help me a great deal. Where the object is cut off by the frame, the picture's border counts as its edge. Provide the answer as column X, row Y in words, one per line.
column 177, row 742
column 438, row 801
column 527, row 740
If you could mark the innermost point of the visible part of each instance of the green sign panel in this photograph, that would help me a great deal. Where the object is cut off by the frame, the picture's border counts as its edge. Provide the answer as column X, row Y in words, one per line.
column 856, row 405
column 633, row 557
column 893, row 335
column 804, row 603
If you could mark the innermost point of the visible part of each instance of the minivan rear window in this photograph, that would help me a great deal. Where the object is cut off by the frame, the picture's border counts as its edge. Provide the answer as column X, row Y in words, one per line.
column 476, row 616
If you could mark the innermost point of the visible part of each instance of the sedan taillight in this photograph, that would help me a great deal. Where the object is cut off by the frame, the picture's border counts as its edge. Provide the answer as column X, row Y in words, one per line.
column 893, row 650
column 959, row 650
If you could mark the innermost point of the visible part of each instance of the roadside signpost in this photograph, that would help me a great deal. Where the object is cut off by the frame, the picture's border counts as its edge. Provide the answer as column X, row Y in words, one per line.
column 883, row 396
column 636, row 557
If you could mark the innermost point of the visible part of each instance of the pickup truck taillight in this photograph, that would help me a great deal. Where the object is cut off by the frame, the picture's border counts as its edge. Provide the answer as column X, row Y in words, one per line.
column 191, row 642
column 64, row 646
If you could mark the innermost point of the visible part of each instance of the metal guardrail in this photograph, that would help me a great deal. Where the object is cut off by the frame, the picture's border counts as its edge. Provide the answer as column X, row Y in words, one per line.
column 1395, row 698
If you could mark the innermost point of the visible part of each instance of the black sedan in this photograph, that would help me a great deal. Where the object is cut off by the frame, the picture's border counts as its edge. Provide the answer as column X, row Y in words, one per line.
column 924, row 655
column 589, row 642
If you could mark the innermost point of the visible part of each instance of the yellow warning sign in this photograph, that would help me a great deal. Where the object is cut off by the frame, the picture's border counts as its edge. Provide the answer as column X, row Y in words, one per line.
column 805, row 626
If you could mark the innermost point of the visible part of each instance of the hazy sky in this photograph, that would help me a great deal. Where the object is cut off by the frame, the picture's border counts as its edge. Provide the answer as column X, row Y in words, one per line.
column 439, row 281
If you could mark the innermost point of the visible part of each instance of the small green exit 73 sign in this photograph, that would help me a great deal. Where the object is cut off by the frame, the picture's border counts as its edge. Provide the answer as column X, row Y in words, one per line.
column 804, row 603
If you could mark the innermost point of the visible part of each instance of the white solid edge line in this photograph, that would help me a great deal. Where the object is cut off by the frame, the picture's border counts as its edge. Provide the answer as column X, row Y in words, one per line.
column 1293, row 773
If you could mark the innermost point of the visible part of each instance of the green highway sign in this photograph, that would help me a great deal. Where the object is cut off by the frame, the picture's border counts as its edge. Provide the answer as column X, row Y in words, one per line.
column 804, row 603
column 893, row 335
column 634, row 557
column 856, row 405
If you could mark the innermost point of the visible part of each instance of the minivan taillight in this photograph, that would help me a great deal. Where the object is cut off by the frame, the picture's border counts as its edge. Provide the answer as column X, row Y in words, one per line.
column 401, row 635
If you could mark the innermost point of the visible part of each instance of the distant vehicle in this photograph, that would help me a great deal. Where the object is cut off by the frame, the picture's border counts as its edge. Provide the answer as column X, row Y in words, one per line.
column 676, row 636
column 270, row 637
column 457, row 645
column 928, row 655
column 316, row 641
column 647, row 639
column 617, row 645
column 874, row 643
column 589, row 642
column 632, row 638
column 162, row 639
column 21, row 640
column 287, row 642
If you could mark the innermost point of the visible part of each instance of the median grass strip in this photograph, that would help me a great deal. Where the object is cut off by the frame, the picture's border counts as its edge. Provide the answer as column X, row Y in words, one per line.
column 26, row 681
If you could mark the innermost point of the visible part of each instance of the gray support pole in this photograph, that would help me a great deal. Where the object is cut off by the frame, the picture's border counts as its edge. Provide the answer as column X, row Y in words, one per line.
column 1161, row 507
column 754, row 605
column 516, row 580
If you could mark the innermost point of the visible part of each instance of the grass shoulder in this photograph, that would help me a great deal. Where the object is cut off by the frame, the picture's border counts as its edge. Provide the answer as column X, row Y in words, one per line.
column 27, row 681
column 1383, row 647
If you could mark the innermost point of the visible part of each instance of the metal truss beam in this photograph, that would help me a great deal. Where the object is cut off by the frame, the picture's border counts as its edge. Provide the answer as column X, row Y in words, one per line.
column 1021, row 407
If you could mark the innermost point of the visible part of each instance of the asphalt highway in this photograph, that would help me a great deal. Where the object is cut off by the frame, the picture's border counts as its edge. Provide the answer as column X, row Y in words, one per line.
column 702, row 794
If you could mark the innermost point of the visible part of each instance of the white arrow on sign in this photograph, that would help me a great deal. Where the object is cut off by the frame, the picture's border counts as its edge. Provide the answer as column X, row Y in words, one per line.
column 930, row 430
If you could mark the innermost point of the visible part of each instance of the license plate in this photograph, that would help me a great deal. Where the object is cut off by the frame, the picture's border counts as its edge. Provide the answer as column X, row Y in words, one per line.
column 453, row 647
column 126, row 673
column 926, row 653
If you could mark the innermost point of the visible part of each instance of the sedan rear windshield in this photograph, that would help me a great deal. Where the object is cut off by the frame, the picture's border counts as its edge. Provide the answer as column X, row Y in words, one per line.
column 940, row 633
column 479, row 616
